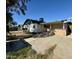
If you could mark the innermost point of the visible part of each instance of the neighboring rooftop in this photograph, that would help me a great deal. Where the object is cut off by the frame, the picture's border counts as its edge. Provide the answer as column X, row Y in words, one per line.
column 29, row 21
column 58, row 22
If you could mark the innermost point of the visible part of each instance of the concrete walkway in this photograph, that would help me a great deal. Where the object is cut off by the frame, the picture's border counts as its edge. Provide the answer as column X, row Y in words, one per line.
column 63, row 48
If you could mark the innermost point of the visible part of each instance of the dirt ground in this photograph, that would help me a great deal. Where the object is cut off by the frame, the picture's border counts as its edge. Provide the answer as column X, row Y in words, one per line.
column 63, row 49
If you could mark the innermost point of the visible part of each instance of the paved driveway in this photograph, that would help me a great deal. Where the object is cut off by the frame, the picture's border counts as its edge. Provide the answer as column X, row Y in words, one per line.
column 63, row 48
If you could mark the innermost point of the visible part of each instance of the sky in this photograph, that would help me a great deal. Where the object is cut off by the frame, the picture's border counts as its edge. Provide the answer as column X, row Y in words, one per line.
column 50, row 10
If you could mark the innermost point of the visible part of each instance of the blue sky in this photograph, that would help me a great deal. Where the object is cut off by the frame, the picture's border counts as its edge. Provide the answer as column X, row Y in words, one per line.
column 50, row 10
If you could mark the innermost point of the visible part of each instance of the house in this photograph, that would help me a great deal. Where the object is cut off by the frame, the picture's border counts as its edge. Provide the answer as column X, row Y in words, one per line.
column 32, row 26
column 19, row 27
column 58, row 27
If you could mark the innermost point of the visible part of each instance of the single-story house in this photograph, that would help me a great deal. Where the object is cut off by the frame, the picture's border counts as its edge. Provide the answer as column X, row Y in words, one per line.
column 20, row 27
column 58, row 27
column 32, row 26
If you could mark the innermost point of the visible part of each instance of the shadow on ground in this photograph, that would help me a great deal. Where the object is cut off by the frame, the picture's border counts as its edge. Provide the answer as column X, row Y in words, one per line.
column 16, row 45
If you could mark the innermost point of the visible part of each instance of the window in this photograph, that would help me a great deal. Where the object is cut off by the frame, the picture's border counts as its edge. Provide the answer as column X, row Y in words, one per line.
column 33, row 26
column 45, row 26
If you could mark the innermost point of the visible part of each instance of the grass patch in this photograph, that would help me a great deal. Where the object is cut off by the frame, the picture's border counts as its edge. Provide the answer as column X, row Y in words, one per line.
column 40, row 56
column 21, row 54
column 29, row 53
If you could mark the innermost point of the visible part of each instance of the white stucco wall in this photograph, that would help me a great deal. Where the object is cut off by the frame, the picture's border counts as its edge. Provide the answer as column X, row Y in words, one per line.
column 36, row 29
column 31, row 28
column 25, row 26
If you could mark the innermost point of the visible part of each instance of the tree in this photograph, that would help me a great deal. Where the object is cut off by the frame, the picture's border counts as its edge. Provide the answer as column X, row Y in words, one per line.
column 63, row 20
column 9, row 21
column 18, row 6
